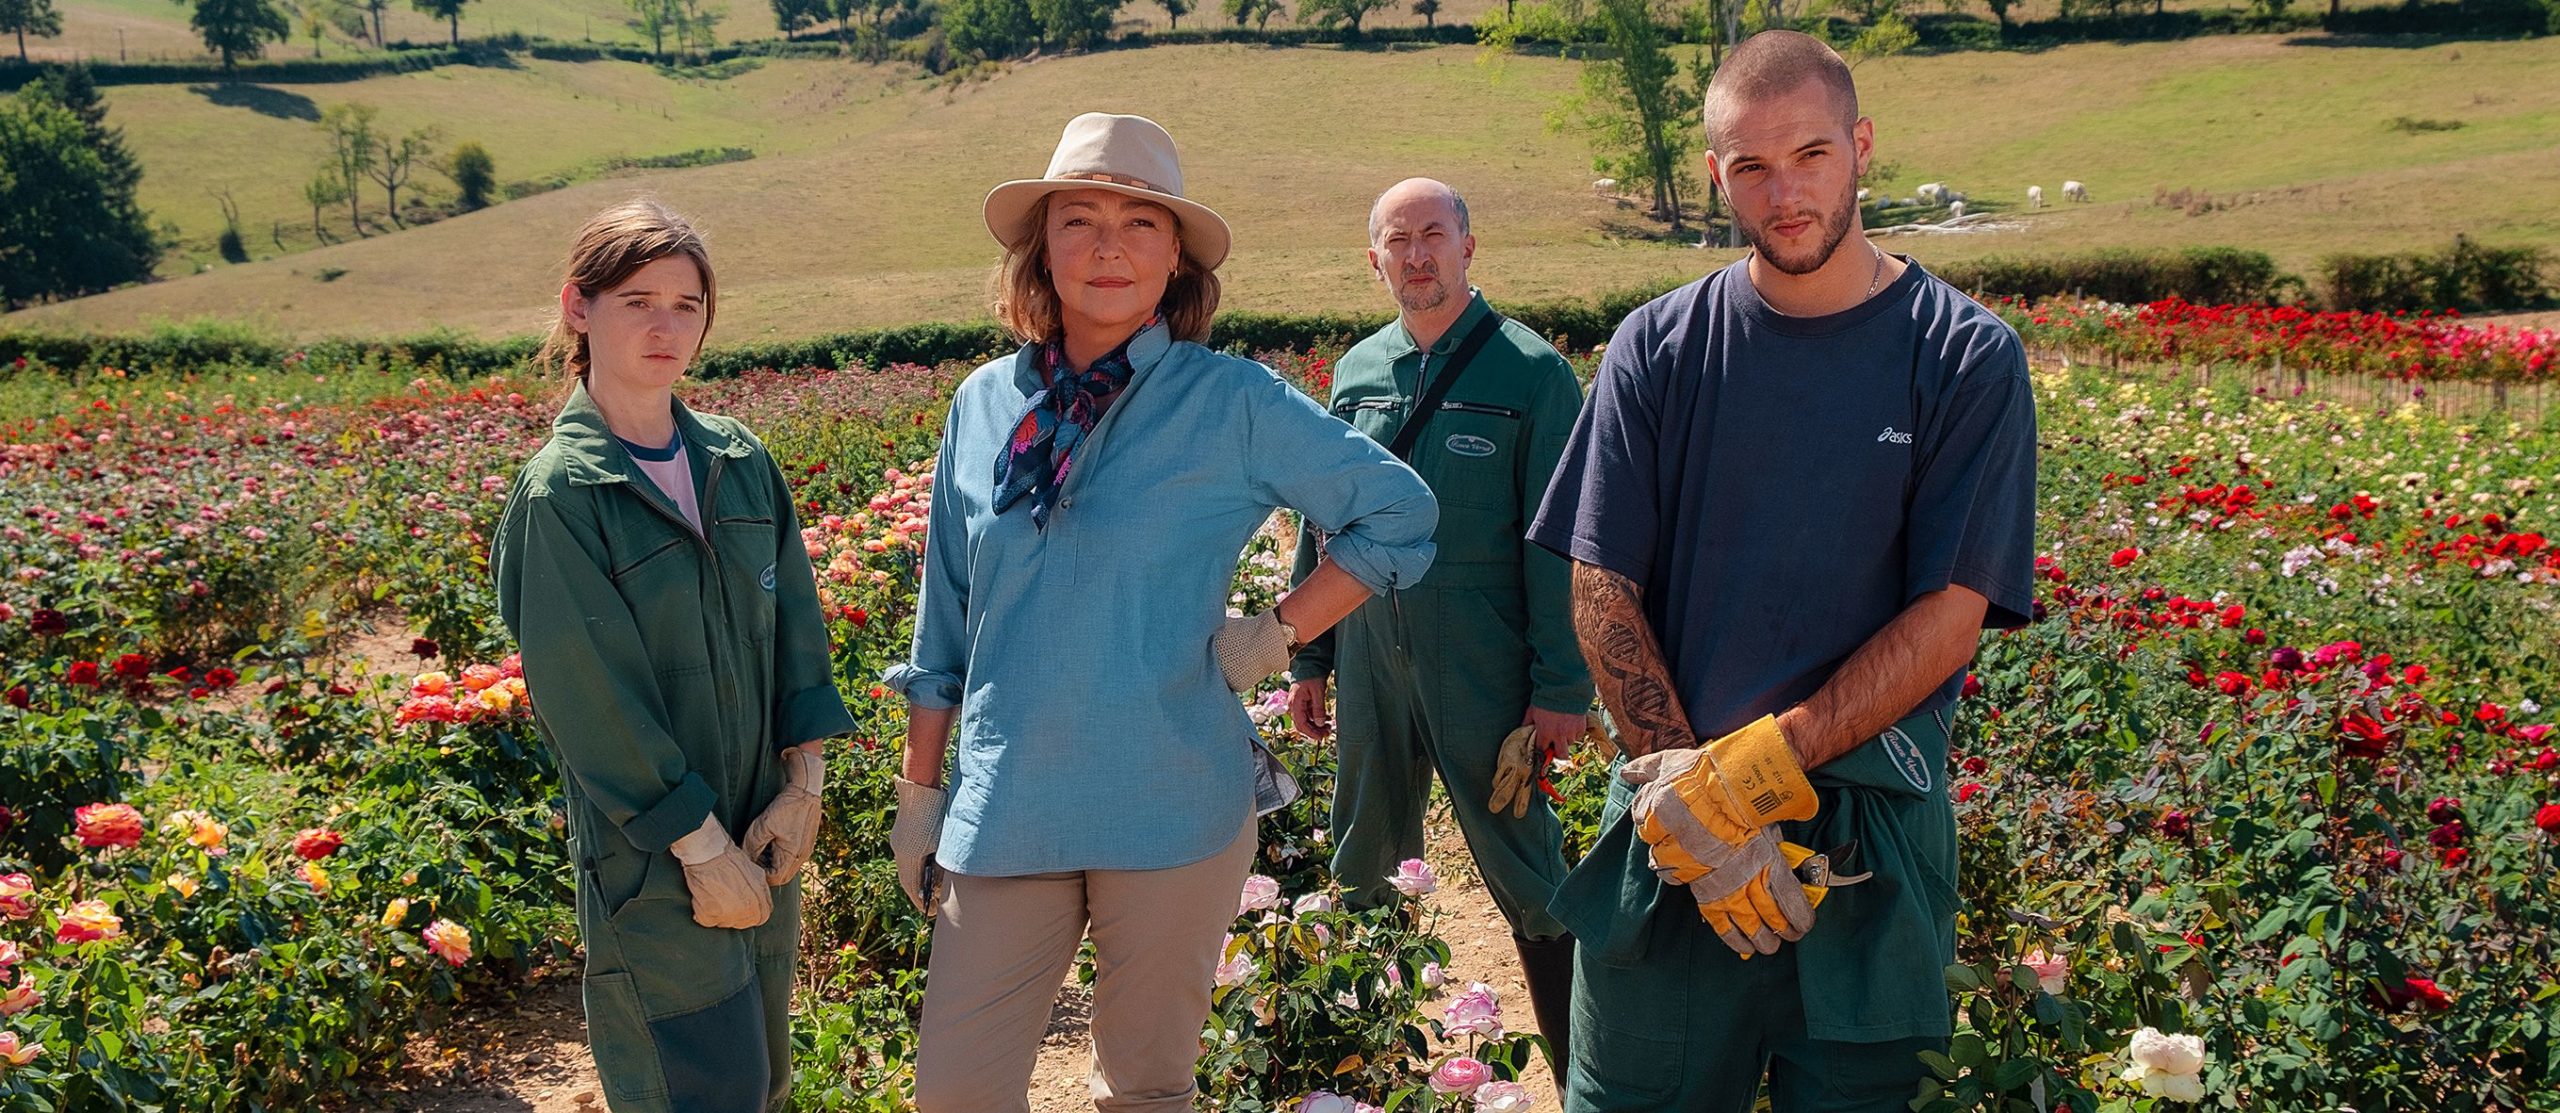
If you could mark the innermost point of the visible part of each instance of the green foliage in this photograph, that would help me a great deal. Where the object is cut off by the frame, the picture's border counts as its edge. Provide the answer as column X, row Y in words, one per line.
column 2466, row 276
column 236, row 29
column 474, row 175
column 2206, row 275
column 448, row 10
column 1639, row 116
column 1338, row 13
column 29, row 17
column 68, row 222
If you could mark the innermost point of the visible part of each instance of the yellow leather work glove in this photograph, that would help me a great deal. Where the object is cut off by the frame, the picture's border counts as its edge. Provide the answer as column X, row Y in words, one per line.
column 1754, row 901
column 1696, row 807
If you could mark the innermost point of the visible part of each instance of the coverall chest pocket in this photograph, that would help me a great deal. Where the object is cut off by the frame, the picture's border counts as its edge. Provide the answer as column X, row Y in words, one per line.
column 749, row 562
column 657, row 568
column 1469, row 454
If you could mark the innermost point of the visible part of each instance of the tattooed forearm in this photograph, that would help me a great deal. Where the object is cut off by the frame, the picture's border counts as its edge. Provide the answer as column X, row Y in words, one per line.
column 1626, row 662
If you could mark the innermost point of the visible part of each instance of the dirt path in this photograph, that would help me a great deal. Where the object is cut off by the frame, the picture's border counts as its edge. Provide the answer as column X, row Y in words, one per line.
column 533, row 1059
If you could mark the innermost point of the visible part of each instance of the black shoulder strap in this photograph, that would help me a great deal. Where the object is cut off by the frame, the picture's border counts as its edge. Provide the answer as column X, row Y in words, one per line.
column 1429, row 403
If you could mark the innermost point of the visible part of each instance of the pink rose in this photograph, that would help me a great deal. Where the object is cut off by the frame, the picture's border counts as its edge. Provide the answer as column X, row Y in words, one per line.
column 1460, row 1075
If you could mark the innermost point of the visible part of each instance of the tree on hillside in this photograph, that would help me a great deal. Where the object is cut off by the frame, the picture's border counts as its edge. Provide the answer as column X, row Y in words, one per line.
column 474, row 174
column 449, row 11
column 237, row 29
column 1429, row 10
column 319, row 17
column 697, row 25
column 655, row 19
column 794, row 16
column 68, row 222
column 1256, row 12
column 395, row 160
column 1328, row 13
column 1075, row 24
column 1641, row 121
column 989, row 28
column 324, row 189
column 29, row 17
column 374, row 8
column 1174, row 10
column 350, row 128
column 75, row 87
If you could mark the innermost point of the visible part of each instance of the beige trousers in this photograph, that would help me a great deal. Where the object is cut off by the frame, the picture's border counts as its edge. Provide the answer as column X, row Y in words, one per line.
column 1001, row 948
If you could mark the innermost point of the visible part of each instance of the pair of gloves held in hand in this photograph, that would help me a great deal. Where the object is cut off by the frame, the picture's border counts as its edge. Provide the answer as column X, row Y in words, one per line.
column 1248, row 650
column 1709, row 819
column 732, row 881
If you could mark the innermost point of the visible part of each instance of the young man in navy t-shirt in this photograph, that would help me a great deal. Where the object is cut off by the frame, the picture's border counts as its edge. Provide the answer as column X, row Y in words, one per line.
column 1802, row 487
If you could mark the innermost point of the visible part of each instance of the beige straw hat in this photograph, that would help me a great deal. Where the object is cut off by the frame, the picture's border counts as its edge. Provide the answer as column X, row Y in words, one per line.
column 1124, row 154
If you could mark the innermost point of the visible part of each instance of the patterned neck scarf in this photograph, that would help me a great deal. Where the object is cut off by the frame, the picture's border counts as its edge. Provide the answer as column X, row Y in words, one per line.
column 1056, row 422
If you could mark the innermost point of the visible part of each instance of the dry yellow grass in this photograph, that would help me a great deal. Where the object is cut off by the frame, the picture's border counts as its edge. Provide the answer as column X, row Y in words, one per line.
column 870, row 216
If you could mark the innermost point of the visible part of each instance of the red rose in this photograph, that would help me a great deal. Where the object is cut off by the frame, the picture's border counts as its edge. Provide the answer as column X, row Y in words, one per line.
column 220, row 679
column 82, row 674
column 2444, row 809
column 18, row 697
column 2124, row 557
column 2425, row 997
column 1967, row 791
column 423, row 648
column 1972, row 685
column 315, row 843
column 2175, row 824
column 2547, row 817
column 48, row 622
column 133, row 666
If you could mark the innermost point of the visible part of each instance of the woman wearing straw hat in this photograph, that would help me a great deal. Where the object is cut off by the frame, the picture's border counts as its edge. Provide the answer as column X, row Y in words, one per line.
column 1093, row 494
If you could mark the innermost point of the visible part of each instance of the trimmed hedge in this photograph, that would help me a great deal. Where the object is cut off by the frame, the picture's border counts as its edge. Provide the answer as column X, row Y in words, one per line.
column 2206, row 275
column 2465, row 276
column 290, row 71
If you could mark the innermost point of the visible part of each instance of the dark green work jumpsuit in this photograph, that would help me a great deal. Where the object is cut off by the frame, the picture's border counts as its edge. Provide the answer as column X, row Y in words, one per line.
column 668, row 670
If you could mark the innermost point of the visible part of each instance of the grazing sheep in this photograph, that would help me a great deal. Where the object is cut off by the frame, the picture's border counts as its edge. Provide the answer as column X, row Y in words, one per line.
column 1955, row 210
column 2074, row 191
column 2035, row 198
column 1605, row 186
column 1933, row 192
column 1908, row 202
column 1863, row 194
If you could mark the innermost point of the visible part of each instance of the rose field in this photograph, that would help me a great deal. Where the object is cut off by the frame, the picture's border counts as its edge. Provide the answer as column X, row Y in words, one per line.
column 2263, row 812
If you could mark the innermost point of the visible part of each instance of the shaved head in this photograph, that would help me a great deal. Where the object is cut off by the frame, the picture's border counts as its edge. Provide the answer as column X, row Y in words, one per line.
column 1417, row 189
column 1771, row 65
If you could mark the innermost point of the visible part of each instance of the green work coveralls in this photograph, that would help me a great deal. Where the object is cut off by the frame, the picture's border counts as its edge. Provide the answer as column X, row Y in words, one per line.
column 1666, row 1017
column 668, row 670
column 1435, row 675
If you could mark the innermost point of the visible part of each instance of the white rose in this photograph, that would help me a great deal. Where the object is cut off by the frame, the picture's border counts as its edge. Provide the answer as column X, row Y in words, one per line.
column 2168, row 1054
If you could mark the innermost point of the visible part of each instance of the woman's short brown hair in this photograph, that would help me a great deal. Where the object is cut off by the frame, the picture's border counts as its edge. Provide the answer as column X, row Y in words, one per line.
column 616, row 243
column 1026, row 300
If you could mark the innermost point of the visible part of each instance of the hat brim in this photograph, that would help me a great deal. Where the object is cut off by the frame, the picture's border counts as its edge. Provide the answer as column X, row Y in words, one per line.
column 1205, row 237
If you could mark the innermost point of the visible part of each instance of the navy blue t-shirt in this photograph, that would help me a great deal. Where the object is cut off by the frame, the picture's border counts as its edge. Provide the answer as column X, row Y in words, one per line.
column 1780, row 488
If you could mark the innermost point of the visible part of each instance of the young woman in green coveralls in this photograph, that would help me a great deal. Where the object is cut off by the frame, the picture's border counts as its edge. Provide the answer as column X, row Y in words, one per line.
column 651, row 567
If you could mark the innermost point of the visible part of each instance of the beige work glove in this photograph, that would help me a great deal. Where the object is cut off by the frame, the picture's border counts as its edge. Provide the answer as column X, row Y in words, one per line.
column 1595, row 730
column 1754, row 900
column 728, row 887
column 787, row 832
column 1250, row 649
column 912, row 840
column 1515, row 773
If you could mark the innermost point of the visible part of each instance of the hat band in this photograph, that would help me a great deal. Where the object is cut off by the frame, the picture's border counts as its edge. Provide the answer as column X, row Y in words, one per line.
column 1117, row 179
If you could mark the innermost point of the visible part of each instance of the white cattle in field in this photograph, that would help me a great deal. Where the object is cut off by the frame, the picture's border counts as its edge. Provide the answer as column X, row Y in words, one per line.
column 2074, row 191
column 1605, row 186
column 2035, row 198
column 1864, row 194
column 1955, row 210
column 1934, row 193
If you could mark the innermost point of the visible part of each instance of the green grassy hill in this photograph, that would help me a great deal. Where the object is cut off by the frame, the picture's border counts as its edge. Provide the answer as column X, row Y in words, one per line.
column 862, row 205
